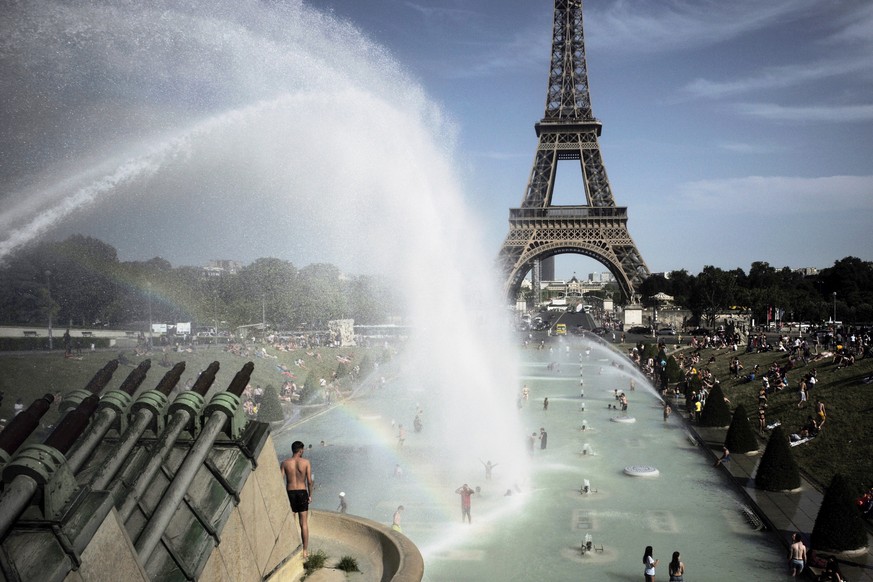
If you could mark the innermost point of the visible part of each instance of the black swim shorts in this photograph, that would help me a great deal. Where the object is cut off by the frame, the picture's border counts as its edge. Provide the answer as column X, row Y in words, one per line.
column 299, row 499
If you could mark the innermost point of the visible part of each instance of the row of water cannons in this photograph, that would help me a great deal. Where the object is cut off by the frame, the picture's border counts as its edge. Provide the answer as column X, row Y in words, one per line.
column 586, row 448
column 39, row 479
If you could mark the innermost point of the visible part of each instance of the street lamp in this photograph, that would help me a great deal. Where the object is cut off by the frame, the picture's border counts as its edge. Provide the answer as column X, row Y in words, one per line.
column 149, row 285
column 48, row 284
column 835, row 310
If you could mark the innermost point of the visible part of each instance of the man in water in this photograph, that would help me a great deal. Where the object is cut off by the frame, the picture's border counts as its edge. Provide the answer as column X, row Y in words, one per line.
column 465, row 492
column 544, row 438
column 796, row 555
column 395, row 521
column 488, row 466
column 401, row 435
column 298, row 477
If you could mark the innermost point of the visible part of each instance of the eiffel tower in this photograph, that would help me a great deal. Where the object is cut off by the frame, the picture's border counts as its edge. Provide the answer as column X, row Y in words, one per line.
column 569, row 131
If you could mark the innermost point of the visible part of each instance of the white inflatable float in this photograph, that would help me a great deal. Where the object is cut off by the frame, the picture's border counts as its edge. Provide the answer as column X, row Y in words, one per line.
column 625, row 419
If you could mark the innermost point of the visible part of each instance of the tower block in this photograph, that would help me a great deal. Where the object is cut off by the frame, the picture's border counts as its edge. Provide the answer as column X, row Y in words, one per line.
column 596, row 227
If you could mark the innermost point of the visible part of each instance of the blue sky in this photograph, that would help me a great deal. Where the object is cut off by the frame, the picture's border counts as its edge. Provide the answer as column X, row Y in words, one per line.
column 733, row 131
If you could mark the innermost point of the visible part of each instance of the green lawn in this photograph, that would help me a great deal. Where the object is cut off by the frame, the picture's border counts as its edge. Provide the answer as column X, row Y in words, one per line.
column 30, row 375
column 846, row 443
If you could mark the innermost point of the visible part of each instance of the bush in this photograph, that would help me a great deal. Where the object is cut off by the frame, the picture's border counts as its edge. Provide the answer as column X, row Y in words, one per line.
column 777, row 470
column 314, row 562
column 342, row 370
column 839, row 525
column 348, row 564
column 740, row 436
column 716, row 411
column 270, row 409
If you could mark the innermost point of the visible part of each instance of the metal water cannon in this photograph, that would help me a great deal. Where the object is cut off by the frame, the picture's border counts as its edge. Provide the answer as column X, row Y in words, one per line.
column 72, row 399
column 111, row 413
column 44, row 467
column 147, row 412
column 183, row 415
column 21, row 427
column 192, row 401
column 221, row 414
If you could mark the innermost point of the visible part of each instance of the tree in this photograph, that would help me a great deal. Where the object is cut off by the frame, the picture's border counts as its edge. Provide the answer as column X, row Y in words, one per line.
column 839, row 525
column 716, row 411
column 310, row 388
column 740, row 436
column 777, row 470
column 713, row 292
column 270, row 409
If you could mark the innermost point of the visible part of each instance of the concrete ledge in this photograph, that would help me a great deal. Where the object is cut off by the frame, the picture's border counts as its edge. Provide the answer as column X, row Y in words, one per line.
column 390, row 555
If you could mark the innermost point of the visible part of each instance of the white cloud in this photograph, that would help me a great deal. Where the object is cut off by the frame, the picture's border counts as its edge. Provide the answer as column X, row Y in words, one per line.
column 780, row 77
column 779, row 195
column 819, row 113
column 748, row 148
column 646, row 26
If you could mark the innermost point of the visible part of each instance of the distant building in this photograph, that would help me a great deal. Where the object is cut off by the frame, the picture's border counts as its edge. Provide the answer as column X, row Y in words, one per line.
column 807, row 271
column 603, row 278
column 217, row 268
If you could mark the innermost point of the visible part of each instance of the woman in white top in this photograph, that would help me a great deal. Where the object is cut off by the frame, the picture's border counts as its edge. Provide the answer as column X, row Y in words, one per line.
column 649, row 562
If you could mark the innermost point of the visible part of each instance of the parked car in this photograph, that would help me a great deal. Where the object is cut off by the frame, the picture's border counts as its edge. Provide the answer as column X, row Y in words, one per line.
column 640, row 330
column 666, row 331
column 599, row 331
column 700, row 331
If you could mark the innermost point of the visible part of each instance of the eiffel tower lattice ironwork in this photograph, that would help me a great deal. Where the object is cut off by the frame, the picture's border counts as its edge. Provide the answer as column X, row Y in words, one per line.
column 598, row 229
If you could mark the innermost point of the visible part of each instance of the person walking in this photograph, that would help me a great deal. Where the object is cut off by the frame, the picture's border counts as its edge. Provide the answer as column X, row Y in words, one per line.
column 650, row 563
column 298, row 477
column 676, row 569
column 343, row 506
column 796, row 555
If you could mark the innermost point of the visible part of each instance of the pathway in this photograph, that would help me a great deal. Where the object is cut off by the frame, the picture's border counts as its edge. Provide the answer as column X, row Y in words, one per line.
column 784, row 513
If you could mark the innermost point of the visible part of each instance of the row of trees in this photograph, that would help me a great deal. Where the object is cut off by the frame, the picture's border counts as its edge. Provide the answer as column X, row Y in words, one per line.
column 81, row 281
column 802, row 297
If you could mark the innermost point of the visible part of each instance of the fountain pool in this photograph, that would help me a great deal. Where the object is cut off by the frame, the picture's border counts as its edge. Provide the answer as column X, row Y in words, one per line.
column 537, row 531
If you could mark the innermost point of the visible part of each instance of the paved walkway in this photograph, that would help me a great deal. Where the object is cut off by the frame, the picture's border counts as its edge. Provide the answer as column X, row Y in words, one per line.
column 784, row 513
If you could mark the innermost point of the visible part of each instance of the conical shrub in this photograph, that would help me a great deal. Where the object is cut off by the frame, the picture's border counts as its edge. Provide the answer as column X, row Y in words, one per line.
column 777, row 470
column 674, row 372
column 716, row 412
column 839, row 525
column 740, row 436
column 310, row 388
column 270, row 409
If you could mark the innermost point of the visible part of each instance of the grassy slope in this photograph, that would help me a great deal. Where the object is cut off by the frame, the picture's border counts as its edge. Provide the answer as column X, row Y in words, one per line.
column 846, row 444
column 30, row 375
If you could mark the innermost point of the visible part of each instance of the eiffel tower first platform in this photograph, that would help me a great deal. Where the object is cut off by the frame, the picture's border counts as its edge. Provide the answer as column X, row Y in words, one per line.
column 598, row 228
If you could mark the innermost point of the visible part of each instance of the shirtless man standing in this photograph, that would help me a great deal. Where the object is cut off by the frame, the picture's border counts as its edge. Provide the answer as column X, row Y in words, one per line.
column 298, row 476
column 796, row 555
